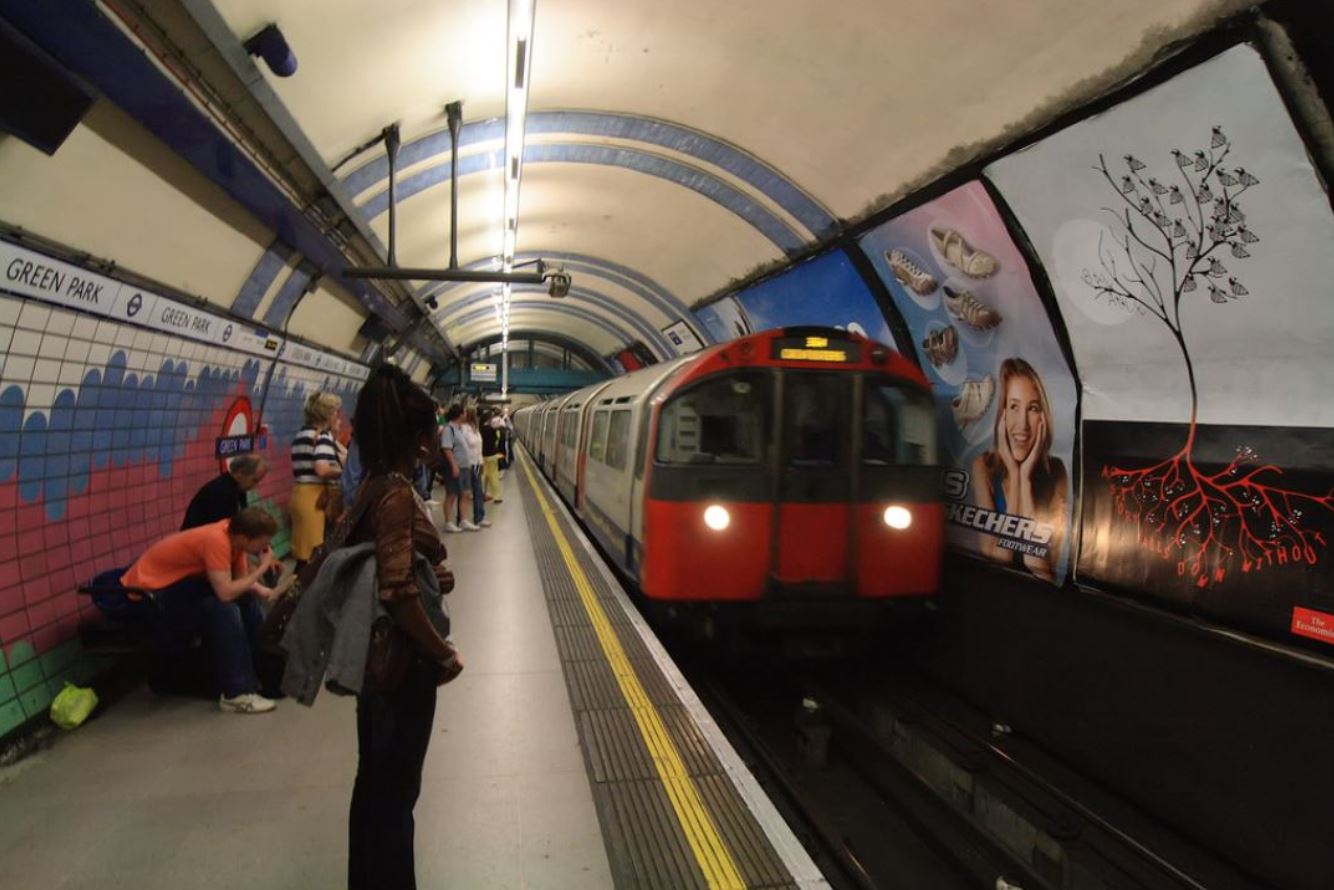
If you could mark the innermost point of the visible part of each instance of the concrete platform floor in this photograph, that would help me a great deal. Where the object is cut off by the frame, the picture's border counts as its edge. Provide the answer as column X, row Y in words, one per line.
column 171, row 793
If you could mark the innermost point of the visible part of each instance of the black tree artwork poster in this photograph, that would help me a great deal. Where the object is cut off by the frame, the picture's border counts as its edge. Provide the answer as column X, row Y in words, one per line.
column 1190, row 245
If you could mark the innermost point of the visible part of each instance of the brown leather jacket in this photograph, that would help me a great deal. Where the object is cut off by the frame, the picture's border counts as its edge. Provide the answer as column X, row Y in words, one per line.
column 398, row 523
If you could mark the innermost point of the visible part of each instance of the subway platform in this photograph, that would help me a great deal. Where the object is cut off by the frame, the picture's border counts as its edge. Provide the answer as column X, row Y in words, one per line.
column 569, row 754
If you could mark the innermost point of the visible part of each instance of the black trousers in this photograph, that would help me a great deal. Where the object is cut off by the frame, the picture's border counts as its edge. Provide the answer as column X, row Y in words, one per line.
column 393, row 732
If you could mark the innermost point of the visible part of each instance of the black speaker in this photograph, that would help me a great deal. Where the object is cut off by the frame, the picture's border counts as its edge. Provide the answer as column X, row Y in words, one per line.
column 42, row 101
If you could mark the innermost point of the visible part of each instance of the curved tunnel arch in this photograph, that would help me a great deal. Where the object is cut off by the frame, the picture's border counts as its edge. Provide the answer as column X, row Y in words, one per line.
column 646, row 331
column 591, row 356
column 584, row 315
column 632, row 280
column 697, row 179
column 764, row 178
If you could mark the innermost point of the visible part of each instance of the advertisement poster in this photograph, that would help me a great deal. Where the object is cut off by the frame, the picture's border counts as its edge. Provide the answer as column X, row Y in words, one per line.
column 1005, row 393
column 1188, row 241
column 827, row 290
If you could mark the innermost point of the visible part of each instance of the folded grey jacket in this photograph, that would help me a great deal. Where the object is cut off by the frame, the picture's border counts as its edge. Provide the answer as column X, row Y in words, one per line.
column 330, row 631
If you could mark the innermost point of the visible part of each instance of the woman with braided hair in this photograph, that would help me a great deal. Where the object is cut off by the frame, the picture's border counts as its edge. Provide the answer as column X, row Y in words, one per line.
column 394, row 425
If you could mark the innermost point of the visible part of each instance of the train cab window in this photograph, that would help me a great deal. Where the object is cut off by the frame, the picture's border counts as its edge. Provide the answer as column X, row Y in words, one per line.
column 724, row 420
column 618, row 439
column 597, row 441
column 815, row 419
column 898, row 425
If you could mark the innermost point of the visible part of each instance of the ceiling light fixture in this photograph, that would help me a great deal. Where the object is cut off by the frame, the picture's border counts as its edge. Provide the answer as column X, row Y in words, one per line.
column 520, row 59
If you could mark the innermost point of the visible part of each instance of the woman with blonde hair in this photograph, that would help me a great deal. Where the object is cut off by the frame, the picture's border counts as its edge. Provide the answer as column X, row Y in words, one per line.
column 1019, row 476
column 317, row 466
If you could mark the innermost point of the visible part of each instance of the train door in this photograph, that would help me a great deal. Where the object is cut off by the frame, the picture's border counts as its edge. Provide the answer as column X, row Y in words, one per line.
column 813, row 480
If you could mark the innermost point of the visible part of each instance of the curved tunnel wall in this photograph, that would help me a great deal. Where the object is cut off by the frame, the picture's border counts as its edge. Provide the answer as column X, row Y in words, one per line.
column 1163, row 317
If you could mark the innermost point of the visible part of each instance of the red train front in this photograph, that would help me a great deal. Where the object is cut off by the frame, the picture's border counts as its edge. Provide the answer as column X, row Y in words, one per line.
column 793, row 470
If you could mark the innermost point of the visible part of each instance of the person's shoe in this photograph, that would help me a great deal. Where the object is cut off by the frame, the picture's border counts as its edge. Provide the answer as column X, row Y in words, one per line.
column 246, row 703
column 942, row 346
column 967, row 308
column 468, row 526
column 452, row 528
column 910, row 274
column 963, row 256
column 973, row 400
column 485, row 523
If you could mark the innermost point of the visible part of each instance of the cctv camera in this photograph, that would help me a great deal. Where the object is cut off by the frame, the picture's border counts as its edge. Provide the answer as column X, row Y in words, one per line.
column 558, row 283
column 431, row 303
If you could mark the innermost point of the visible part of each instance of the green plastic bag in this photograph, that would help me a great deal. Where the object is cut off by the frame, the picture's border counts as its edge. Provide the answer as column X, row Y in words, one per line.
column 72, row 705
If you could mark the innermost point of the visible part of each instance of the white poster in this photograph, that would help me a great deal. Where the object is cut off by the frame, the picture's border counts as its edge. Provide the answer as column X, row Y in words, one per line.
column 1190, row 245
column 1186, row 233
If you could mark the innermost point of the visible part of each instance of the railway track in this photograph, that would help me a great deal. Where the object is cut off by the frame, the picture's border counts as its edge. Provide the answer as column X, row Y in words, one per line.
column 890, row 791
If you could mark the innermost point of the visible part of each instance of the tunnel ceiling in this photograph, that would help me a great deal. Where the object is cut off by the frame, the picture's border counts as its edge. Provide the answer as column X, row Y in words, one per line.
column 672, row 148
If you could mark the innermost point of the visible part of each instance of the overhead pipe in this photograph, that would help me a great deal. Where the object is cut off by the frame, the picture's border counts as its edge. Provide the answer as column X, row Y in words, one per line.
column 454, row 115
column 391, row 146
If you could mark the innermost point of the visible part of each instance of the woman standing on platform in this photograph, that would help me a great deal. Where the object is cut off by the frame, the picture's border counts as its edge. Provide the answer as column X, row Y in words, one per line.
column 395, row 426
column 317, row 465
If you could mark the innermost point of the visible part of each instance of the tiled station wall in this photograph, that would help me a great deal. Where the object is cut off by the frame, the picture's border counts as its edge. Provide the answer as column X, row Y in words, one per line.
column 106, row 432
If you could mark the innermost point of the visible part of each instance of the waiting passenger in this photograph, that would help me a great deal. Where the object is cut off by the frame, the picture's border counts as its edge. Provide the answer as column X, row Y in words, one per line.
column 228, row 494
column 455, row 451
column 473, row 485
column 492, row 434
column 394, row 424
column 316, row 465
column 205, row 584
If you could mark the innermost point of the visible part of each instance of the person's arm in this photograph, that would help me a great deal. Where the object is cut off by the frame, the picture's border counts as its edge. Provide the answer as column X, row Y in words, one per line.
column 327, row 462
column 229, row 589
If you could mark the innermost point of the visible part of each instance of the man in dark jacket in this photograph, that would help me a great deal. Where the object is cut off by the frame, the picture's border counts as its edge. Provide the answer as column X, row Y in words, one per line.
column 226, row 495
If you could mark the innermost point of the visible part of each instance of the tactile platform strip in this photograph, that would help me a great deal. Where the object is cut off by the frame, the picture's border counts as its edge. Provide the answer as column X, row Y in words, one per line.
column 646, row 844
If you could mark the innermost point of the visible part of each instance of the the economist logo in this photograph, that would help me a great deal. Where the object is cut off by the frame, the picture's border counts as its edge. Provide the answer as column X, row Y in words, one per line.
column 1316, row 625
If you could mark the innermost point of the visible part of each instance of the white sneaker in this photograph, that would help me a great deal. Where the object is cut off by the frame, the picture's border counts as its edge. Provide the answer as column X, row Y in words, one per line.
column 468, row 526
column 452, row 528
column 973, row 400
column 485, row 523
column 247, row 703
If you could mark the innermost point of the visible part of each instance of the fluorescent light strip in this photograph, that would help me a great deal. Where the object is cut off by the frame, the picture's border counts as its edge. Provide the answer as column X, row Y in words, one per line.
column 520, row 57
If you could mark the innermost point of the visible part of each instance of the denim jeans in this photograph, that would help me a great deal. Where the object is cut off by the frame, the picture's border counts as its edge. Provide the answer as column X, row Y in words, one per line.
column 230, row 630
column 393, row 732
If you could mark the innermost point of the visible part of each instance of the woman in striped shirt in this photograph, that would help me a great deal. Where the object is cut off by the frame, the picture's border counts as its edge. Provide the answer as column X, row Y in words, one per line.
column 317, row 465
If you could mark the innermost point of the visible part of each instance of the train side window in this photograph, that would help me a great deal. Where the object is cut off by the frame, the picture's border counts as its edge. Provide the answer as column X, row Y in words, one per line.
column 597, row 441
column 723, row 420
column 618, row 439
column 898, row 425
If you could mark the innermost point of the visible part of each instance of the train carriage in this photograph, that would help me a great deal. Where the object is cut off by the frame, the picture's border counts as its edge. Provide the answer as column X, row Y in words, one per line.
column 791, row 475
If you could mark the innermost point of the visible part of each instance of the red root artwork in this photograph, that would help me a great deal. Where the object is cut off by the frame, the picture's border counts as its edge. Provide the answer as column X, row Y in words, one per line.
column 1168, row 239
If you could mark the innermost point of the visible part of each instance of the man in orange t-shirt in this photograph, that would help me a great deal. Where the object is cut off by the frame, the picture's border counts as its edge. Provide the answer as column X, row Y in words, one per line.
column 205, row 584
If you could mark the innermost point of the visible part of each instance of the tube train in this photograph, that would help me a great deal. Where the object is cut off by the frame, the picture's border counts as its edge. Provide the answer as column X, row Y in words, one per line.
column 789, row 477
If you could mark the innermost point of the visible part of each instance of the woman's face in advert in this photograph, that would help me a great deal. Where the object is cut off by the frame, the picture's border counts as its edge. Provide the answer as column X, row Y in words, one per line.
column 1023, row 410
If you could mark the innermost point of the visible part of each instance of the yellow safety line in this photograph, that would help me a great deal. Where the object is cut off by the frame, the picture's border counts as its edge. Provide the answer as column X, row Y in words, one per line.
column 710, row 851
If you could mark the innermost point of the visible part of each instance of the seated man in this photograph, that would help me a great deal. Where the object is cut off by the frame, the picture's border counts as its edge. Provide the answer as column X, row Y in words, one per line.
column 205, row 584
column 228, row 494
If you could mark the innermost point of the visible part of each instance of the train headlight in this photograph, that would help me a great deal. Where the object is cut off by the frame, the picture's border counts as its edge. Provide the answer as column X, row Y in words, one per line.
column 898, row 517
column 717, row 518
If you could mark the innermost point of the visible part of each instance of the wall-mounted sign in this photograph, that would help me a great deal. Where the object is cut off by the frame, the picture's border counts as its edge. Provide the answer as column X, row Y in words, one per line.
column 682, row 338
column 31, row 274
column 482, row 372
